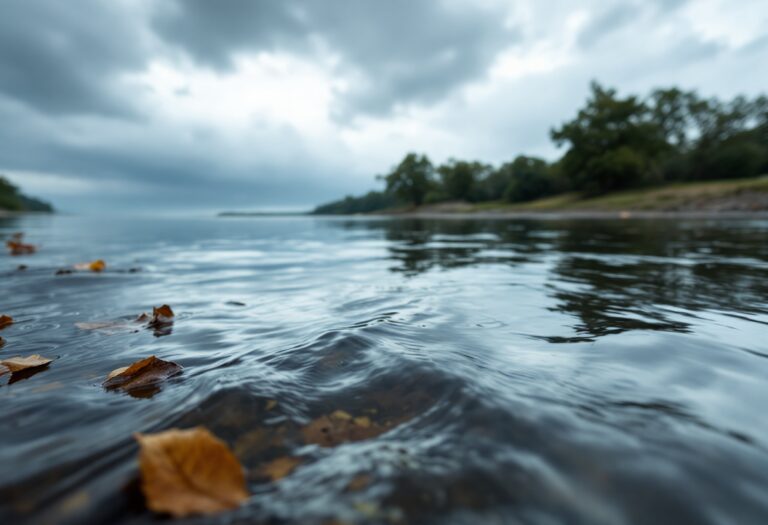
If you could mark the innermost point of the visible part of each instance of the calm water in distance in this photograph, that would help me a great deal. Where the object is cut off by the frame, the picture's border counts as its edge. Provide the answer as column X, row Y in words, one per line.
column 531, row 371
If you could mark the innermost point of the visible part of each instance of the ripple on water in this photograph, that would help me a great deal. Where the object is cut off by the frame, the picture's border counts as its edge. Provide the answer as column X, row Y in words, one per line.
column 592, row 372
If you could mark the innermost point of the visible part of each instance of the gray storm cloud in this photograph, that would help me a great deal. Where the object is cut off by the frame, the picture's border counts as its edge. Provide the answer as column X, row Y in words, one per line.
column 73, row 105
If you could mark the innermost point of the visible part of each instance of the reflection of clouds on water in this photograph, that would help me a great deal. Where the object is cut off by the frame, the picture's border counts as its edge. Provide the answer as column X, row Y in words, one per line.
column 613, row 276
column 433, row 370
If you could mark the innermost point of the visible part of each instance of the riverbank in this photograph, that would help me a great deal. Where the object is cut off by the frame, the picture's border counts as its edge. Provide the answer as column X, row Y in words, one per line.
column 730, row 198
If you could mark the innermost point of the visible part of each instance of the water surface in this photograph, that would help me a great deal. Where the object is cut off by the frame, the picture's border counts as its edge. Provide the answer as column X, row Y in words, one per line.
column 520, row 371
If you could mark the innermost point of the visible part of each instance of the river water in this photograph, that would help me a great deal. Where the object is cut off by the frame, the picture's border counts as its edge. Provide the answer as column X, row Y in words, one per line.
column 517, row 371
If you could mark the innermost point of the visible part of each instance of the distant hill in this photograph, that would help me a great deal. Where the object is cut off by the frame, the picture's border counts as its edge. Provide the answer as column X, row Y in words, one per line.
column 11, row 199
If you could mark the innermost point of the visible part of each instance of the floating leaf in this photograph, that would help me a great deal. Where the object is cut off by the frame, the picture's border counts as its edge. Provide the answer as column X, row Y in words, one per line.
column 161, row 315
column 19, row 248
column 18, row 363
column 141, row 374
column 279, row 468
column 2, row 342
column 161, row 321
column 185, row 472
column 95, row 266
column 339, row 427
column 5, row 320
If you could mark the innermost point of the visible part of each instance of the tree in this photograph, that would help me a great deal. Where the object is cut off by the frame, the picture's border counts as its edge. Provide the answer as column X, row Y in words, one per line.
column 460, row 178
column 12, row 199
column 613, row 143
column 410, row 180
column 529, row 178
column 9, row 195
column 670, row 111
column 371, row 201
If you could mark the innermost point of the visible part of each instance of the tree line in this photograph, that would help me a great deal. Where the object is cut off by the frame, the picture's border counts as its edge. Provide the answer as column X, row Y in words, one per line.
column 613, row 143
column 12, row 199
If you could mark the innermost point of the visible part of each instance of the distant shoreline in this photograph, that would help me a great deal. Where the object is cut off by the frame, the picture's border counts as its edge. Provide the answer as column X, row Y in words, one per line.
column 737, row 198
column 540, row 215
column 568, row 214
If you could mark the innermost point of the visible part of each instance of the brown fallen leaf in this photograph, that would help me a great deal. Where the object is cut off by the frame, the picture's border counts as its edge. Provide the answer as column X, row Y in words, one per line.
column 5, row 320
column 18, row 363
column 161, row 320
column 161, row 315
column 141, row 374
column 19, row 248
column 185, row 472
column 340, row 427
column 95, row 266
column 279, row 468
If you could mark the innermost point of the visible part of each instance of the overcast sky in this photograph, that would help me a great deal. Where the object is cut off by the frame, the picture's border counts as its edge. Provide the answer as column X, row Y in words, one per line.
column 248, row 104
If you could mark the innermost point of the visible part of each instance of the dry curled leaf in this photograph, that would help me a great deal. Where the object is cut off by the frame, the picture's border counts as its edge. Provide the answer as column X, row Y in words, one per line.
column 19, row 248
column 95, row 266
column 141, row 374
column 161, row 315
column 185, row 472
column 161, row 321
column 5, row 320
column 18, row 363
column 279, row 468
column 340, row 427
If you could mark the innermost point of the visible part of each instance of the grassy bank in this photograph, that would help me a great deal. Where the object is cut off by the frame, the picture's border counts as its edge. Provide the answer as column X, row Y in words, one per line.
column 713, row 196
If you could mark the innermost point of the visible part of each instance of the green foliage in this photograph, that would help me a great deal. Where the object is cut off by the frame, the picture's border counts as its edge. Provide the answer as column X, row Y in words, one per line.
column 614, row 143
column 12, row 200
column 412, row 179
column 736, row 159
column 9, row 196
column 371, row 201
column 529, row 178
column 460, row 179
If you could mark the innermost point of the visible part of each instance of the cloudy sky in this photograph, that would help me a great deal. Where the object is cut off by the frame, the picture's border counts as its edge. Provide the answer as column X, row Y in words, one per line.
column 265, row 104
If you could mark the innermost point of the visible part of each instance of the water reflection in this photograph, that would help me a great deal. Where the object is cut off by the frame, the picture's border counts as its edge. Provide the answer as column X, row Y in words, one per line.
column 614, row 276
column 413, row 371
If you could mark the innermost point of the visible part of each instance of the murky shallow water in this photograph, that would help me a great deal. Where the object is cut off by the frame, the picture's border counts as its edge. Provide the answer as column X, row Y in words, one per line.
column 600, row 372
